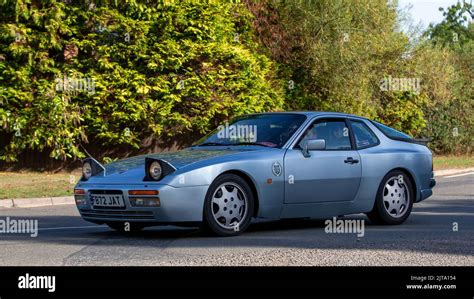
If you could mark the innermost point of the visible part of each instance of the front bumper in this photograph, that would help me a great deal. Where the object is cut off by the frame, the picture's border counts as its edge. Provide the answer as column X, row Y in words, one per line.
column 177, row 205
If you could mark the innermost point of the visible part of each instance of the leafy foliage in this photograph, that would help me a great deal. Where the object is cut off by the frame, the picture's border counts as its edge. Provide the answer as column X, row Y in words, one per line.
column 451, row 122
column 159, row 70
column 338, row 57
column 138, row 71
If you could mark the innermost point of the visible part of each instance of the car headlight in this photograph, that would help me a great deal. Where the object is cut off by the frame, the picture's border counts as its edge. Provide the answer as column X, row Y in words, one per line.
column 155, row 170
column 90, row 167
column 87, row 170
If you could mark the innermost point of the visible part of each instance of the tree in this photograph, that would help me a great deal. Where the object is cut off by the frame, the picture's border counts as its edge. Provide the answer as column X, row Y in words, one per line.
column 451, row 122
column 122, row 72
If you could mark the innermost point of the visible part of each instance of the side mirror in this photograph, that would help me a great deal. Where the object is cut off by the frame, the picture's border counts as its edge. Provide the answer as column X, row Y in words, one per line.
column 313, row 145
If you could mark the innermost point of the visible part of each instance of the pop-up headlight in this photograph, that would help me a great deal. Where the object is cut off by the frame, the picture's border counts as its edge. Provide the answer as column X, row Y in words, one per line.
column 156, row 169
column 90, row 167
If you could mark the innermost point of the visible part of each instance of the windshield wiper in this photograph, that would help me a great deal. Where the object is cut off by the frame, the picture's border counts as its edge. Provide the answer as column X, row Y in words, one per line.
column 250, row 143
column 211, row 144
column 231, row 144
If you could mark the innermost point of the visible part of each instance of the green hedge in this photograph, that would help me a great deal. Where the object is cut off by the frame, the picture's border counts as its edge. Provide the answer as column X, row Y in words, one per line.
column 159, row 70
column 139, row 70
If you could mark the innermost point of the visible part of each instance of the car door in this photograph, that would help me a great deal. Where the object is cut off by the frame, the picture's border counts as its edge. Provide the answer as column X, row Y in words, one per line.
column 329, row 175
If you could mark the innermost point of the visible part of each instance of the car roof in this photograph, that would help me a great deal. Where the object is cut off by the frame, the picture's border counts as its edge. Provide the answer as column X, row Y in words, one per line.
column 314, row 113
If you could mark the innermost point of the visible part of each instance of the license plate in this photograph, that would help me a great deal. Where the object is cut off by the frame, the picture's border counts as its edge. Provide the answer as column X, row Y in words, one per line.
column 107, row 200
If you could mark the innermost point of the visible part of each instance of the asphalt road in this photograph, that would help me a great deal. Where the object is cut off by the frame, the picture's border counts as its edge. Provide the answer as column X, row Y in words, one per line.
column 426, row 238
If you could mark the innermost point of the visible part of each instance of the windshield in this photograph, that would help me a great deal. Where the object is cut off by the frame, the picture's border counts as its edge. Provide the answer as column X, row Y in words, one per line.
column 271, row 130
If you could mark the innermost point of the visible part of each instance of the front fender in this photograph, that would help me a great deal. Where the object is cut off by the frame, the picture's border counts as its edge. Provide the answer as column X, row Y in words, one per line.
column 257, row 167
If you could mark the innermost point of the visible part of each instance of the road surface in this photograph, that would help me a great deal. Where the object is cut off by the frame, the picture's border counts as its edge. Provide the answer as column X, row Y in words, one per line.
column 440, row 231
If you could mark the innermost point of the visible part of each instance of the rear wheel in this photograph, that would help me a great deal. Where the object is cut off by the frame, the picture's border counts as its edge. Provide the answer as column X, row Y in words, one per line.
column 394, row 199
column 125, row 227
column 229, row 205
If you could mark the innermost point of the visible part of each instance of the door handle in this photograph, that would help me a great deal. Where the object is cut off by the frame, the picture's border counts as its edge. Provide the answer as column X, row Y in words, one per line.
column 351, row 160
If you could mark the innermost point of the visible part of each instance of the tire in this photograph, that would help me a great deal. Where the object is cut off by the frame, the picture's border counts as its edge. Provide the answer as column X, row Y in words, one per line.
column 394, row 199
column 229, row 206
column 124, row 228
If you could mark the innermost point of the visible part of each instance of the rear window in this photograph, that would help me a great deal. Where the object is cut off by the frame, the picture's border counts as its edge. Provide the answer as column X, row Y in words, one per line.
column 391, row 133
column 363, row 135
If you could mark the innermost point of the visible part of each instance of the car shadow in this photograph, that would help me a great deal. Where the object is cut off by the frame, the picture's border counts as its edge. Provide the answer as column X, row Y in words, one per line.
column 426, row 230
column 443, row 226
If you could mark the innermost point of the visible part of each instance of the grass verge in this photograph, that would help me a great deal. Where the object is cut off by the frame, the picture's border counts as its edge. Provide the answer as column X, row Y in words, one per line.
column 36, row 184
column 450, row 162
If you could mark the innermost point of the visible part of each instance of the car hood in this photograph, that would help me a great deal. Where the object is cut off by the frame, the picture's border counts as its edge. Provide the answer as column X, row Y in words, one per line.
column 176, row 159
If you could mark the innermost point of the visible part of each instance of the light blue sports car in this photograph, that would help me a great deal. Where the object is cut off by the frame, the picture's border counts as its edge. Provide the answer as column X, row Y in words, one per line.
column 268, row 166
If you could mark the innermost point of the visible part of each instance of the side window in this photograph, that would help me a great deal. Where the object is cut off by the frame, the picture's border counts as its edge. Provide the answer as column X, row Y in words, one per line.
column 364, row 137
column 335, row 132
column 391, row 132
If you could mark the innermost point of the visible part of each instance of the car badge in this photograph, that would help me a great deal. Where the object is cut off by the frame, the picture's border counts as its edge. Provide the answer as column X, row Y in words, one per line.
column 276, row 168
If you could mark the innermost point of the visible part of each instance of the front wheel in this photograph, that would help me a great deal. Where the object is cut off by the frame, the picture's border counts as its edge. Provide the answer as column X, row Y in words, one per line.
column 229, row 205
column 394, row 199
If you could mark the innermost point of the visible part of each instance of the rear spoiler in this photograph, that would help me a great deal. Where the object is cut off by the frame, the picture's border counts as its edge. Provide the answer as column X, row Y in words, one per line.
column 422, row 141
